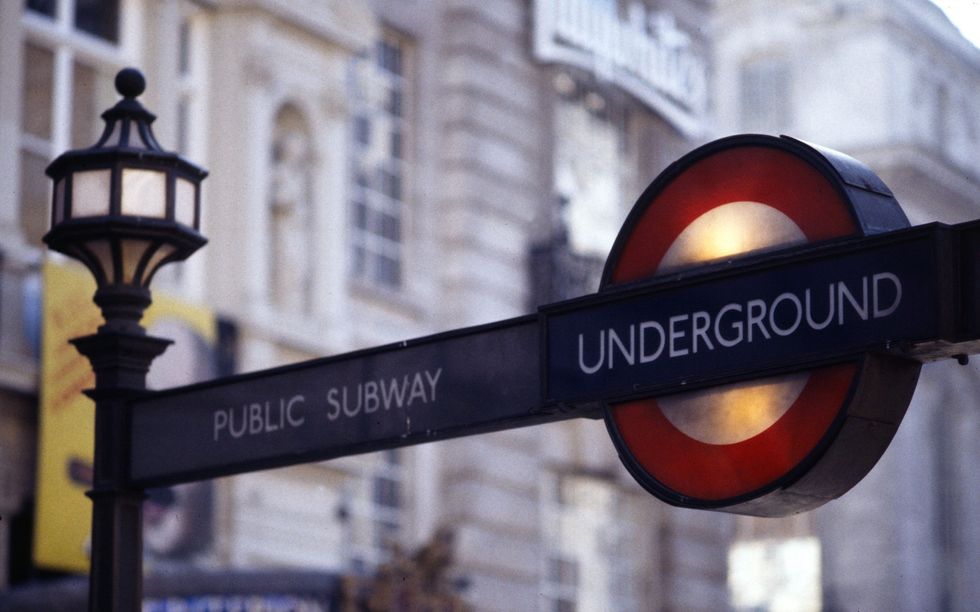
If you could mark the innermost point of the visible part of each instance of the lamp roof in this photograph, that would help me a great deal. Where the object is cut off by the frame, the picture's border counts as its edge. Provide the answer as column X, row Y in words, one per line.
column 127, row 135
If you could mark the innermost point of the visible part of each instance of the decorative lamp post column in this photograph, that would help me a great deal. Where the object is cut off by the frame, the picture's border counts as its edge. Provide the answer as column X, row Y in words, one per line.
column 123, row 207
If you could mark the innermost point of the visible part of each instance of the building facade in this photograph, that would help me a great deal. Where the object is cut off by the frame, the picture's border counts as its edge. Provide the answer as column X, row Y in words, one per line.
column 890, row 83
column 382, row 170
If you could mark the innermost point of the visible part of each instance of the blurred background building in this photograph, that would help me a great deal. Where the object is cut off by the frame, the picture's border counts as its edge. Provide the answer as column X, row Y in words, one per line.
column 893, row 84
column 386, row 169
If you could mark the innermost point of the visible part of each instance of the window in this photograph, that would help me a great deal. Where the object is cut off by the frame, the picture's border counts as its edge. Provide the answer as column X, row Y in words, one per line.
column 764, row 95
column 941, row 117
column 44, row 7
column 34, row 196
column 190, row 81
column 37, row 129
column 37, row 91
column 99, row 18
column 592, row 546
column 186, row 133
column 65, row 89
column 775, row 574
column 561, row 579
column 375, row 502
column 89, row 99
column 378, row 169
column 184, row 47
column 594, row 169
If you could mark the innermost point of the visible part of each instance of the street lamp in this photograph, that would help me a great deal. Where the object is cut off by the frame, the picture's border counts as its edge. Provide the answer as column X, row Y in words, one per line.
column 123, row 207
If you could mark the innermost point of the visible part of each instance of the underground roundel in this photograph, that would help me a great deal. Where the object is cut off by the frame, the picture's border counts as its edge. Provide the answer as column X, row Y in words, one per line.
column 778, row 445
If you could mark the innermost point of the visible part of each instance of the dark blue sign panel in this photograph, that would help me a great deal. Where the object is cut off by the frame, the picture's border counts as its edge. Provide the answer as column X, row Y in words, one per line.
column 426, row 389
column 779, row 312
column 680, row 334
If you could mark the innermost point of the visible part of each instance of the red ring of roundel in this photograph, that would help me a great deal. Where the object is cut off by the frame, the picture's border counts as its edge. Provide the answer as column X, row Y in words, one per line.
column 712, row 472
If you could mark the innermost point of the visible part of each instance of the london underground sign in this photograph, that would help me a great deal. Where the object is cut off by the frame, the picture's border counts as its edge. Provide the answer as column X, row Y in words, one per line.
column 753, row 347
column 758, row 446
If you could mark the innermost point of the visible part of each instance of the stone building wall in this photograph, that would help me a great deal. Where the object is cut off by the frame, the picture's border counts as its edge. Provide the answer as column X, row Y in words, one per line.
column 888, row 83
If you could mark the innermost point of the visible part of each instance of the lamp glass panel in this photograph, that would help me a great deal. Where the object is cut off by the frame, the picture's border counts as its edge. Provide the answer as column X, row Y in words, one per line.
column 90, row 193
column 144, row 193
column 132, row 252
column 156, row 260
column 59, row 203
column 102, row 251
column 184, row 203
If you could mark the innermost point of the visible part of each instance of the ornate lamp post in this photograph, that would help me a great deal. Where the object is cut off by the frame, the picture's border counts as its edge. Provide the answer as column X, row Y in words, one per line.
column 123, row 207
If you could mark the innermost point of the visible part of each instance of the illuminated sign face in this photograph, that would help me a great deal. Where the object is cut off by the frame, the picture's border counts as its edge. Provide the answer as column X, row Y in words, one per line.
column 784, row 443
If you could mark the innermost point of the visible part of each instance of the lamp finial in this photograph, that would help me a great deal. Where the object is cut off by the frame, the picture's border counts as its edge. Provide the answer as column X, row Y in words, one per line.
column 130, row 83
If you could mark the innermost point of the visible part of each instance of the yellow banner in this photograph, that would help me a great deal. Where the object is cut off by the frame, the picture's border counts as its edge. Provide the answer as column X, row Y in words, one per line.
column 63, row 514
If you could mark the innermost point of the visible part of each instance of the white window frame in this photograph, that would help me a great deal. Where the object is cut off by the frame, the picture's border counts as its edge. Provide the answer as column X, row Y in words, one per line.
column 366, row 515
column 69, row 45
column 190, row 134
column 622, row 592
column 370, row 240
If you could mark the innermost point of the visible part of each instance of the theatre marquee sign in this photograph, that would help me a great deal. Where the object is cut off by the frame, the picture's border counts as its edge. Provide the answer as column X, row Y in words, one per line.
column 753, row 347
column 644, row 52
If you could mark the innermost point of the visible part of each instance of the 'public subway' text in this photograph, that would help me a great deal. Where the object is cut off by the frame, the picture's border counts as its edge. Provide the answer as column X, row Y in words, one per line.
column 365, row 397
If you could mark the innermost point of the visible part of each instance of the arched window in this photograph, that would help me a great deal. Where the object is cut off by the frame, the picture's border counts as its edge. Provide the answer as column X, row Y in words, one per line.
column 291, row 213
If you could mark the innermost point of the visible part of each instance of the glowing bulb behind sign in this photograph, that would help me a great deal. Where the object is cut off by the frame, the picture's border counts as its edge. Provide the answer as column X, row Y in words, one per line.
column 753, row 448
column 731, row 229
column 732, row 413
